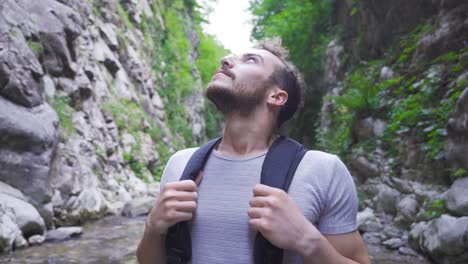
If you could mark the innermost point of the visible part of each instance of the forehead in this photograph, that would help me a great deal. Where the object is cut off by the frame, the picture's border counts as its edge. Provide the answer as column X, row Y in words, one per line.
column 268, row 57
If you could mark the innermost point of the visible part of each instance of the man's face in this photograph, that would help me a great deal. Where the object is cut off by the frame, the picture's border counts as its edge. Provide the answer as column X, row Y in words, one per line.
column 240, row 85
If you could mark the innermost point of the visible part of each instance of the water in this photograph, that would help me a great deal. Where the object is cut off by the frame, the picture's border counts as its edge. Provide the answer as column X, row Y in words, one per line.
column 114, row 240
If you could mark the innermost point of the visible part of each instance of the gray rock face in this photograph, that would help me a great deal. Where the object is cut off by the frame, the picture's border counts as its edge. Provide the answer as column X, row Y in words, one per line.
column 26, row 148
column 457, row 197
column 443, row 239
column 138, row 207
column 456, row 149
column 393, row 243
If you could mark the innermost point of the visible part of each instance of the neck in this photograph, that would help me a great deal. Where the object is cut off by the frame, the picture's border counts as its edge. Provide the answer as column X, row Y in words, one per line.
column 248, row 135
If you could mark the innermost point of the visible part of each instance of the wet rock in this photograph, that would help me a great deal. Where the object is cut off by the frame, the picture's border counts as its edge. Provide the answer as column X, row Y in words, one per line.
column 139, row 206
column 457, row 197
column 64, row 233
column 36, row 240
column 393, row 243
column 20, row 242
column 442, row 239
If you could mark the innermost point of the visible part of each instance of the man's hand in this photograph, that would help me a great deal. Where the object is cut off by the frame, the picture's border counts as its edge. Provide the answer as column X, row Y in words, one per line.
column 176, row 203
column 278, row 219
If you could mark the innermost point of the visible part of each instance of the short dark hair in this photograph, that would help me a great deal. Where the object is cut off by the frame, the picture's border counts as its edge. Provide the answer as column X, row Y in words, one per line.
column 287, row 78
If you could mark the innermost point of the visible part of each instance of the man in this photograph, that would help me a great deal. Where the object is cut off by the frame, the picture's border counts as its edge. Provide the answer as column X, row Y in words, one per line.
column 315, row 222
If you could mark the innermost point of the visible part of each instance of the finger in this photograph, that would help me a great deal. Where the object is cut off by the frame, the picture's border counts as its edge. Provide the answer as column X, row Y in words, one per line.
column 256, row 223
column 259, row 201
column 185, row 196
column 199, row 178
column 179, row 216
column 185, row 185
column 255, row 212
column 187, row 206
column 263, row 190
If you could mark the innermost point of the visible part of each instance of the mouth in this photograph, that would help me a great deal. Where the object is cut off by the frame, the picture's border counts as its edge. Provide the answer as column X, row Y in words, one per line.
column 222, row 72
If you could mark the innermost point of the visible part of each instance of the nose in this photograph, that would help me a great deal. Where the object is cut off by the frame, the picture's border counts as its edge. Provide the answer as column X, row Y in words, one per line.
column 227, row 61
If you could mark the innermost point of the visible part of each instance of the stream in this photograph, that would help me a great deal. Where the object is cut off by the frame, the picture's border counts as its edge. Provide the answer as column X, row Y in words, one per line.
column 114, row 240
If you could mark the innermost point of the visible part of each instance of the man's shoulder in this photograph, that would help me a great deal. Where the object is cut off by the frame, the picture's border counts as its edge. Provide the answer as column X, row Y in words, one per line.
column 183, row 155
column 320, row 156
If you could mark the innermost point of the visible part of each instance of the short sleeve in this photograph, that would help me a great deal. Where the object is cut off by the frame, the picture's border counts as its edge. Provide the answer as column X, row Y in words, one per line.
column 341, row 205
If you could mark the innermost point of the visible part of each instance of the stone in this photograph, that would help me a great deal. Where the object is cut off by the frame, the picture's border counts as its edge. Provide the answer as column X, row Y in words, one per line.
column 364, row 216
column 442, row 239
column 367, row 128
column 407, row 251
column 386, row 73
column 391, row 231
column 364, row 169
column 27, row 217
column 407, row 210
column 64, row 233
column 109, row 36
column 9, row 230
column 373, row 238
column 28, row 139
column 20, row 242
column 457, row 198
column 20, row 70
column 36, row 240
column 139, row 206
column 49, row 86
column 393, row 243
column 386, row 200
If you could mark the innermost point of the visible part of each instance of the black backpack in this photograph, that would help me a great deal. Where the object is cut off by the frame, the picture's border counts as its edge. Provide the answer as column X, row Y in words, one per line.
column 278, row 169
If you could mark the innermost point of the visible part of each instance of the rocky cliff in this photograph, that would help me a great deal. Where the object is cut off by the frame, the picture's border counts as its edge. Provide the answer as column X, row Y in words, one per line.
column 395, row 108
column 88, row 106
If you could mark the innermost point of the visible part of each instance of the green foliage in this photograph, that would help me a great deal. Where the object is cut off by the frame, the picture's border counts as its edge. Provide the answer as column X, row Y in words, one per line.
column 208, row 61
column 64, row 111
column 435, row 209
column 36, row 47
column 305, row 28
column 409, row 42
column 460, row 173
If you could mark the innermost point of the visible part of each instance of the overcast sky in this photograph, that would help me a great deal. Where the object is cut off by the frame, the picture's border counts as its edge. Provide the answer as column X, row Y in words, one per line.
column 229, row 23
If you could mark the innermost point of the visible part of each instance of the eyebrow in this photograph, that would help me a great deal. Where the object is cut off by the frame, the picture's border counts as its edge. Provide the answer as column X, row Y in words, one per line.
column 252, row 55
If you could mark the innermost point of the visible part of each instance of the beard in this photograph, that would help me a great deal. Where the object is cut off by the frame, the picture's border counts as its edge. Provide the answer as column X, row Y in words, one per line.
column 243, row 98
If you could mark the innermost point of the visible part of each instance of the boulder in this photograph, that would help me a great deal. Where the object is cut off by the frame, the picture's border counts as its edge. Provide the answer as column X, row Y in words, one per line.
column 36, row 240
column 64, row 233
column 27, row 217
column 9, row 230
column 393, row 243
column 387, row 199
column 407, row 210
column 137, row 207
column 442, row 239
column 457, row 197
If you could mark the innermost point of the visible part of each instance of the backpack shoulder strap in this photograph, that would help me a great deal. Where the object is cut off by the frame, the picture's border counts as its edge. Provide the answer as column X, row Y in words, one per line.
column 178, row 241
column 278, row 169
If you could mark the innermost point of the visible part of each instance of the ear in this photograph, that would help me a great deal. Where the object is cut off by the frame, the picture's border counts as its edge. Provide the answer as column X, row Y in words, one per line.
column 277, row 97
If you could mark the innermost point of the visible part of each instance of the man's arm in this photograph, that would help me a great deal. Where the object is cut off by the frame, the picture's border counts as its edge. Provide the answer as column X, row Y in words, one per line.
column 334, row 249
column 176, row 203
column 274, row 214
